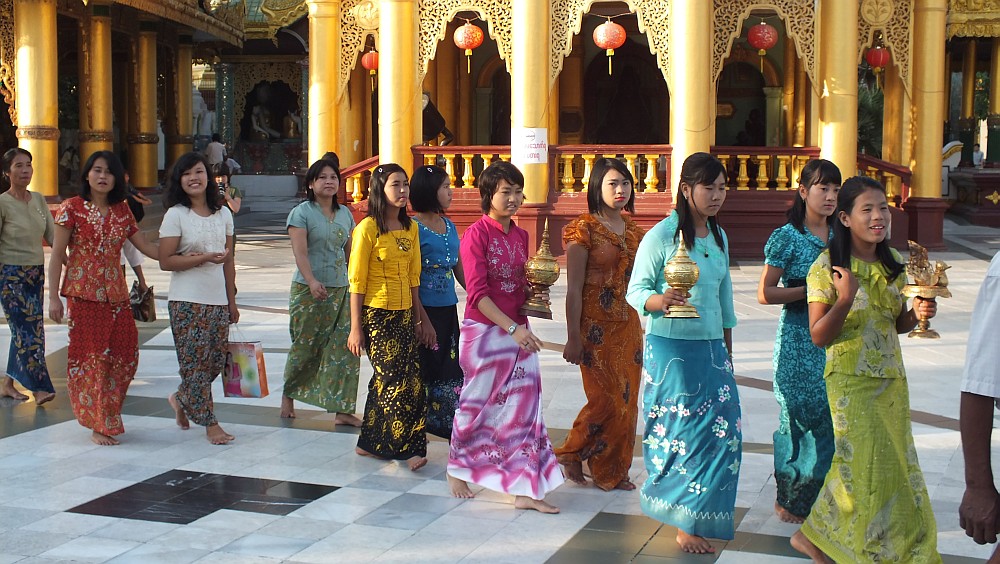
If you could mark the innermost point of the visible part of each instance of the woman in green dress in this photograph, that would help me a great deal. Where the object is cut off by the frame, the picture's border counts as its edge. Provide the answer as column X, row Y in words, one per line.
column 320, row 370
column 873, row 506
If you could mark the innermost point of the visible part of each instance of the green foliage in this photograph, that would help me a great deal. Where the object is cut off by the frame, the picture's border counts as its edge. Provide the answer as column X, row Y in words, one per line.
column 871, row 104
column 69, row 102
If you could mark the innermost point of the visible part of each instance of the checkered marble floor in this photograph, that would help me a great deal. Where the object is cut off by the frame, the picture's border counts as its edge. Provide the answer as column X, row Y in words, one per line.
column 294, row 491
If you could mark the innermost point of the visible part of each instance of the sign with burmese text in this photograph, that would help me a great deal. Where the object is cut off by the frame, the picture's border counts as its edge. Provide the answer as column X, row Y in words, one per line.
column 529, row 145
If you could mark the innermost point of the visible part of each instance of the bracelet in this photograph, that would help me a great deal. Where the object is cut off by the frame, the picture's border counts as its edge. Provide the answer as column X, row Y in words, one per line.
column 419, row 321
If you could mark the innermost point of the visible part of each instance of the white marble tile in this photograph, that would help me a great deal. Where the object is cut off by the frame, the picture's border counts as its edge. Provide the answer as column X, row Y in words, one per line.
column 239, row 521
column 72, row 524
column 195, row 537
column 256, row 544
column 159, row 554
column 133, row 530
column 90, row 549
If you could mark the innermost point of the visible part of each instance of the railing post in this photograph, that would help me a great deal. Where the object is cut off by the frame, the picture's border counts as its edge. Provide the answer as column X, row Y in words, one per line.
column 651, row 181
column 762, row 176
column 588, row 167
column 568, row 180
column 742, row 179
column 449, row 167
column 780, row 177
column 468, row 178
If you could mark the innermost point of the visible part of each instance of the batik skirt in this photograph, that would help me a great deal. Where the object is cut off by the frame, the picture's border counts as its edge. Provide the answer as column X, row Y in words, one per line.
column 201, row 338
column 101, row 362
column 21, row 290
column 320, row 369
column 396, row 407
column 499, row 439
column 692, row 444
column 441, row 371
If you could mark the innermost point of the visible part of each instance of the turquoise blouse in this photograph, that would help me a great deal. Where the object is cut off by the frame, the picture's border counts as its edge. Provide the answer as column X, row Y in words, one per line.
column 325, row 240
column 712, row 295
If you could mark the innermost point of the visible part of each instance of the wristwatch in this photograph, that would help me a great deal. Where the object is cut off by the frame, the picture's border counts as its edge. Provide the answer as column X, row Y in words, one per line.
column 511, row 329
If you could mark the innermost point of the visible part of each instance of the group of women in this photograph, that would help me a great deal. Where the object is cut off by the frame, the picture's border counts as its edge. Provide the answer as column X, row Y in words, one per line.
column 845, row 462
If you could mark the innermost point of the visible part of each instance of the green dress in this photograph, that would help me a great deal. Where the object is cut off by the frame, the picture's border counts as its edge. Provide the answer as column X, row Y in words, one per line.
column 873, row 506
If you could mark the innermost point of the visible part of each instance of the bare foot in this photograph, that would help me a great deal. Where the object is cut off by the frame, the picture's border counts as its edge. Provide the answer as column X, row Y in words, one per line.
column 103, row 440
column 459, row 488
column 347, row 419
column 287, row 408
column 7, row 390
column 802, row 544
column 217, row 436
column 44, row 397
column 182, row 420
column 693, row 543
column 416, row 463
column 362, row 452
column 786, row 516
column 539, row 505
column 626, row 485
column 573, row 469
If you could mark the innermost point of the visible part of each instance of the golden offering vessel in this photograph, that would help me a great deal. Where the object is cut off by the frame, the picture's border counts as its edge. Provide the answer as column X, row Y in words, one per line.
column 681, row 273
column 928, row 282
column 542, row 271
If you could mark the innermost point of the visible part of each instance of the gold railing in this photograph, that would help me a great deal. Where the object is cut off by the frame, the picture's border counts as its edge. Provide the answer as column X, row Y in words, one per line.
column 463, row 163
column 895, row 178
column 764, row 168
column 354, row 179
column 572, row 164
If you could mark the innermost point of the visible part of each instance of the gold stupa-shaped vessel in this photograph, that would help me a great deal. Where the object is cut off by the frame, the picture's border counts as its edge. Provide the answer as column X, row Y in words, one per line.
column 681, row 273
column 542, row 271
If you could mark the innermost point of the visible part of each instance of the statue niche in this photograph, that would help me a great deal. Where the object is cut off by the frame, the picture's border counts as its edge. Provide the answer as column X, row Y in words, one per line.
column 270, row 113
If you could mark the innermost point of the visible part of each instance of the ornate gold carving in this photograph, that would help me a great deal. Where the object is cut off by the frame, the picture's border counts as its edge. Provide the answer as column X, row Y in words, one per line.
column 353, row 33
column 897, row 33
column 248, row 75
column 226, row 20
column 7, row 85
column 994, row 197
column 876, row 12
column 143, row 139
column 973, row 18
column 653, row 17
column 96, row 136
column 85, row 64
column 973, row 5
column 278, row 13
column 957, row 148
column 435, row 15
column 366, row 14
column 39, row 132
column 800, row 26
column 180, row 139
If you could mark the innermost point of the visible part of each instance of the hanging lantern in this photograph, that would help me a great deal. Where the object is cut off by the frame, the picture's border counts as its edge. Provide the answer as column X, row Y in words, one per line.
column 468, row 37
column 878, row 58
column 370, row 61
column 762, row 37
column 609, row 36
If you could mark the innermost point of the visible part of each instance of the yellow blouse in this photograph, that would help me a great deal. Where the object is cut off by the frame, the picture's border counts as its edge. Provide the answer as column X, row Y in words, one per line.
column 384, row 267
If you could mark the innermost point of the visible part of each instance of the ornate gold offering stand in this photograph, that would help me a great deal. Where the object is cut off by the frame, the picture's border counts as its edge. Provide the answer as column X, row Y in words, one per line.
column 928, row 282
column 681, row 273
column 542, row 271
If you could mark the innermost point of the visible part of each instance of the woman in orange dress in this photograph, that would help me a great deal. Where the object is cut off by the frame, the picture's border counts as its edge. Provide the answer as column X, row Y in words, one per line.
column 605, row 336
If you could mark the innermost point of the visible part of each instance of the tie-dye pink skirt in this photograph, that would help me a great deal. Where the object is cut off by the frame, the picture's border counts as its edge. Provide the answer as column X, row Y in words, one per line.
column 498, row 439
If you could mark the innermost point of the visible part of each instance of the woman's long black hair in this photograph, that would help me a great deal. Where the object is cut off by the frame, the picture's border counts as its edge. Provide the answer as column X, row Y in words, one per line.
column 840, row 245
column 8, row 161
column 118, row 193
column 313, row 173
column 816, row 171
column 377, row 202
column 595, row 199
column 699, row 168
column 175, row 194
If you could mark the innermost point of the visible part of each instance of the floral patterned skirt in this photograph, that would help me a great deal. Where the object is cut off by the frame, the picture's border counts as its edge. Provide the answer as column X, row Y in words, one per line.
column 874, row 505
column 693, row 441
column 201, row 337
column 21, row 295
column 441, row 371
column 499, row 439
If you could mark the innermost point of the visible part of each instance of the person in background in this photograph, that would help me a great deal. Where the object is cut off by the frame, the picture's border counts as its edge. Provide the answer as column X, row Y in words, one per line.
column 978, row 157
column 215, row 152
column 232, row 198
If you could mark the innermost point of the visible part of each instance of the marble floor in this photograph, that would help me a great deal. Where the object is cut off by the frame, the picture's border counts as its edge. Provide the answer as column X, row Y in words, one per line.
column 294, row 491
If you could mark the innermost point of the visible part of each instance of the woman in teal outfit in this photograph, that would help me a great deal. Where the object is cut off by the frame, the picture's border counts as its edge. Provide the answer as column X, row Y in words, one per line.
column 692, row 441
column 803, row 443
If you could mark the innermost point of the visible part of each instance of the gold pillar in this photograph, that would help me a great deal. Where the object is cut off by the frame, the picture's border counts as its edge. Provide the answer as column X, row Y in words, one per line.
column 969, row 79
column 96, row 114
column 553, row 111
column 324, row 75
column 399, row 101
column 692, row 95
column 802, row 93
column 929, row 89
column 431, row 78
column 571, row 92
column 36, row 68
column 465, row 113
column 788, row 93
column 447, row 80
column 352, row 109
column 838, row 114
column 183, row 141
column 144, row 140
column 947, row 85
column 896, row 147
column 530, row 103
column 995, row 77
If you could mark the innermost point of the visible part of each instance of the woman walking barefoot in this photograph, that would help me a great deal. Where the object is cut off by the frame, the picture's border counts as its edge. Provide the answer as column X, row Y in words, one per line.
column 803, row 443
column 499, row 439
column 103, row 341
column 430, row 197
column 24, row 221
column 387, row 321
column 692, row 443
column 320, row 370
column 873, row 506
column 196, row 240
column 605, row 336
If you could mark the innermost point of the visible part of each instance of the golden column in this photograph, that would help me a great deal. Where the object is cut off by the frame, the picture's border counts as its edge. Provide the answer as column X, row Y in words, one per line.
column 36, row 69
column 529, row 106
column 925, row 206
column 838, row 112
column 352, row 108
column 465, row 116
column 183, row 141
column 96, row 114
column 692, row 96
column 966, row 120
column 399, row 103
column 144, row 140
column 324, row 76
column 788, row 93
column 803, row 90
column 993, row 120
column 447, row 80
column 896, row 143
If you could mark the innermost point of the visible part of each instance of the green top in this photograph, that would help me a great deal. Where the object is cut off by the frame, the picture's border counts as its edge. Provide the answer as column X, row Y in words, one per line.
column 22, row 228
column 868, row 345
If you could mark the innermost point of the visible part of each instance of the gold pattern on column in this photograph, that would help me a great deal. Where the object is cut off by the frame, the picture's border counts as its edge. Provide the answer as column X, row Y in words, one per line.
column 994, row 108
column 324, row 91
column 96, row 115
column 929, row 87
column 968, row 80
column 7, row 57
column 37, row 110
column 434, row 17
column 838, row 140
column 183, row 142
column 398, row 106
column 143, row 143
column 894, row 18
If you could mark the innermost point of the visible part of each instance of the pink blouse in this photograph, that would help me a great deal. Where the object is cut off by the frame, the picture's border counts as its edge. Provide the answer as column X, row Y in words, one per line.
column 493, row 262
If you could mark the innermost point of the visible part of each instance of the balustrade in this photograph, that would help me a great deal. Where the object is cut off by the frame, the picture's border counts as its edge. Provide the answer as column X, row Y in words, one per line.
column 572, row 165
column 895, row 178
column 462, row 163
column 763, row 168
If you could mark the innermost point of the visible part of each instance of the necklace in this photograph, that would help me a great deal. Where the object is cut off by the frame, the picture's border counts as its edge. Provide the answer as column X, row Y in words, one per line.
column 403, row 244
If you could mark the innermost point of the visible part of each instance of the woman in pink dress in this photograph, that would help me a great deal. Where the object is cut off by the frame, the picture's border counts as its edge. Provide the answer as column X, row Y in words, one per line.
column 498, row 439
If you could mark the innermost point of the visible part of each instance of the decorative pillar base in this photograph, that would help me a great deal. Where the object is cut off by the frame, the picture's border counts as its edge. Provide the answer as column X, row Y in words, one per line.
column 93, row 141
column 927, row 221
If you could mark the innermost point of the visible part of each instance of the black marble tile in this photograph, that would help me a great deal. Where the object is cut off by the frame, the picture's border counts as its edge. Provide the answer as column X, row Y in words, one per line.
column 270, row 504
column 148, row 492
column 172, row 513
column 209, row 499
column 182, row 478
column 240, row 484
column 108, row 506
column 300, row 490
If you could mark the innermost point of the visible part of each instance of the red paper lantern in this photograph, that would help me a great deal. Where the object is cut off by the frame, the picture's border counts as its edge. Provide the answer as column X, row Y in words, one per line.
column 370, row 62
column 762, row 37
column 609, row 36
column 468, row 37
column 878, row 57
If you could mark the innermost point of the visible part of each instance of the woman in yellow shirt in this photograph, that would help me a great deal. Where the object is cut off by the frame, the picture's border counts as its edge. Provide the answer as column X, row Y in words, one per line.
column 387, row 321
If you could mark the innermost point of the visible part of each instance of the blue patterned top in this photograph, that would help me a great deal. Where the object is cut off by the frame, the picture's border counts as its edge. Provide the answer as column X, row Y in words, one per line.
column 794, row 252
column 325, row 240
column 438, row 256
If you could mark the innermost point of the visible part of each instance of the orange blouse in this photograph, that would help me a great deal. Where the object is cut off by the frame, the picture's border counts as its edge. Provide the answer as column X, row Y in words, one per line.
column 93, row 263
column 609, row 265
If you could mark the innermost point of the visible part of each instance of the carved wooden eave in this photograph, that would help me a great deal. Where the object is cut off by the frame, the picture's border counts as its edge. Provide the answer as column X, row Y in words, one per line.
column 973, row 18
column 226, row 23
column 279, row 14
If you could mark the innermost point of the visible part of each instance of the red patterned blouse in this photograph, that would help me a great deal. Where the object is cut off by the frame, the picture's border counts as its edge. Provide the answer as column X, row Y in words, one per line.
column 93, row 264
